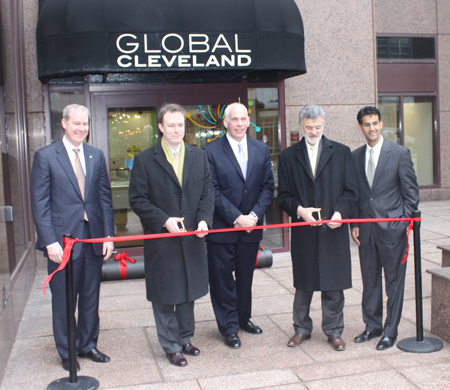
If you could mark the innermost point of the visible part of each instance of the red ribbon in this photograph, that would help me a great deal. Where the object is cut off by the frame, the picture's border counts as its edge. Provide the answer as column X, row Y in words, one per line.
column 122, row 258
column 69, row 242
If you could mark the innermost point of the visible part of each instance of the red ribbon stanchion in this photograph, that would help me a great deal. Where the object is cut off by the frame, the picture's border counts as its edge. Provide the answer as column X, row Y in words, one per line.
column 69, row 243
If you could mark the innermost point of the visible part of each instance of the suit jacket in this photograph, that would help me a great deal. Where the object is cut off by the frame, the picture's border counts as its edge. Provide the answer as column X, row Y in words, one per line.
column 320, row 255
column 235, row 195
column 56, row 201
column 176, row 269
column 394, row 193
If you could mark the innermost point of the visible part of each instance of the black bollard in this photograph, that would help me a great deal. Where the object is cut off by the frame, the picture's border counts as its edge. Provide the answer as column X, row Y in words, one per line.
column 73, row 382
column 419, row 344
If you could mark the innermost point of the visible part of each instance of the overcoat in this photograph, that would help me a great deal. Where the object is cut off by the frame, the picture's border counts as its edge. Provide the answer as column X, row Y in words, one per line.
column 320, row 255
column 176, row 269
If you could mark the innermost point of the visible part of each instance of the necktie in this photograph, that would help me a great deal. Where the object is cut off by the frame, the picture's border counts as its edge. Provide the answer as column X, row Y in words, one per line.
column 371, row 168
column 313, row 159
column 81, row 178
column 242, row 160
column 176, row 163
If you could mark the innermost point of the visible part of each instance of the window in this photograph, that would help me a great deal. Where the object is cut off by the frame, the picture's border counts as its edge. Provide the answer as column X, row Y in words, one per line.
column 415, row 48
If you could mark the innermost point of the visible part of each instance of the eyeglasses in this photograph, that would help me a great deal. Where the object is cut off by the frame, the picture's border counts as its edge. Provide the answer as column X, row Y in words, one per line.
column 311, row 128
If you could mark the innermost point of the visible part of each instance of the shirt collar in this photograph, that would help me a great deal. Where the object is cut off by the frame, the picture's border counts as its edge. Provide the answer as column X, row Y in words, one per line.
column 69, row 146
column 377, row 147
column 234, row 143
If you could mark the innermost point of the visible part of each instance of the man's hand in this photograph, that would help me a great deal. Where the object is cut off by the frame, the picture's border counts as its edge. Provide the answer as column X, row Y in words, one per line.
column 307, row 214
column 55, row 253
column 108, row 248
column 172, row 224
column 355, row 235
column 336, row 217
column 202, row 227
column 245, row 221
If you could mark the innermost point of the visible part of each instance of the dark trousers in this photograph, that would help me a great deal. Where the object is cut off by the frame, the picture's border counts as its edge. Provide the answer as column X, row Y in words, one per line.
column 231, row 297
column 375, row 257
column 332, row 312
column 175, row 325
column 87, row 275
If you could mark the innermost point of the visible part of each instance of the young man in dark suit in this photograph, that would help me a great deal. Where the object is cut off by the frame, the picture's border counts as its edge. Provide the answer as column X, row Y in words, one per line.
column 243, row 183
column 71, row 194
column 387, row 189
column 170, row 185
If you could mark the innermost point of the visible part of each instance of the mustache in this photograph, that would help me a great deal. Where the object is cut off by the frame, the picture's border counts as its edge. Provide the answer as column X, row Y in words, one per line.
column 315, row 135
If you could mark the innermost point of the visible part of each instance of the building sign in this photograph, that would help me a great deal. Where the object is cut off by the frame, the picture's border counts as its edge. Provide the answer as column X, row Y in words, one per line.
column 174, row 50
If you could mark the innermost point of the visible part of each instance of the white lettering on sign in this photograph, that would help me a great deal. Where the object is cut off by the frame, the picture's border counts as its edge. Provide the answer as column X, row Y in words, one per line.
column 175, row 51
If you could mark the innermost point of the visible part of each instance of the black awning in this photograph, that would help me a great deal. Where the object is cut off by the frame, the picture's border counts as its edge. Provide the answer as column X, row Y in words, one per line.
column 171, row 40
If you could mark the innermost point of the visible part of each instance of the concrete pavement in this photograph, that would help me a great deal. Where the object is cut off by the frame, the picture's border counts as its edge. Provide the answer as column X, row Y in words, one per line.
column 128, row 336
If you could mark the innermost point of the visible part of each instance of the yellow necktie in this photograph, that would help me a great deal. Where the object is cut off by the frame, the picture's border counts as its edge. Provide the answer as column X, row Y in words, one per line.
column 313, row 159
column 176, row 163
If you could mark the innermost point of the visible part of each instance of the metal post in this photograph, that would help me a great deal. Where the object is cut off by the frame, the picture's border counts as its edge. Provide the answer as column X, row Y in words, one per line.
column 73, row 382
column 419, row 344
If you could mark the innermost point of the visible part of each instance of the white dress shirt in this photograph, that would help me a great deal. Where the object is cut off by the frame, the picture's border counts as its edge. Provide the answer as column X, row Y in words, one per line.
column 235, row 147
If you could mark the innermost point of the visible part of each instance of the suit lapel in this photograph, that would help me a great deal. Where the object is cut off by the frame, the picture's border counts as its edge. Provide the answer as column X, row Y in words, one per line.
column 251, row 157
column 362, row 165
column 89, row 162
column 230, row 154
column 325, row 155
column 161, row 159
column 188, row 161
column 303, row 158
column 64, row 160
column 385, row 155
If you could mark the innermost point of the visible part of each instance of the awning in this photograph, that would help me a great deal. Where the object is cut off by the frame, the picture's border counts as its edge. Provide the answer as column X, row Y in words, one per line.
column 171, row 40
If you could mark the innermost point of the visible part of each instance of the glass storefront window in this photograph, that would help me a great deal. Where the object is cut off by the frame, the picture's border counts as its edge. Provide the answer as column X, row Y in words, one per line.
column 264, row 111
column 389, row 107
column 415, row 116
column 131, row 130
column 419, row 120
column 58, row 101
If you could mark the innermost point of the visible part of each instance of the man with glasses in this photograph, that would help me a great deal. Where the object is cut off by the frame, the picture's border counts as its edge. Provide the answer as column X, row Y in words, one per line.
column 317, row 180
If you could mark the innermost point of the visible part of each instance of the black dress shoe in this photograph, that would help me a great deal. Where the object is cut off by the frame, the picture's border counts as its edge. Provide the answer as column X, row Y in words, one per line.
column 250, row 327
column 191, row 350
column 232, row 341
column 177, row 359
column 65, row 364
column 386, row 342
column 366, row 336
column 95, row 355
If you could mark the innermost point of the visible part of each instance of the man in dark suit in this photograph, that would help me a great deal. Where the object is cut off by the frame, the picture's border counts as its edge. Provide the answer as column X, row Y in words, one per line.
column 387, row 189
column 243, row 182
column 170, row 188
column 317, row 180
column 71, row 193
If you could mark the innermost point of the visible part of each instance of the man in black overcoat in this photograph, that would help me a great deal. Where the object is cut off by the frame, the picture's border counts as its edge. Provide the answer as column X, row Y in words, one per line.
column 388, row 188
column 170, row 188
column 317, row 180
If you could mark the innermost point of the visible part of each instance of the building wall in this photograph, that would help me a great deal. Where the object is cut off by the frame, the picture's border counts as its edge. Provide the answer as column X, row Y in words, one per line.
column 425, row 17
column 341, row 67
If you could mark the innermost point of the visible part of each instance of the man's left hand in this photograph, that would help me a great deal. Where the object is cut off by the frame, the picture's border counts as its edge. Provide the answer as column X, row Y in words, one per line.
column 202, row 227
column 108, row 248
column 336, row 217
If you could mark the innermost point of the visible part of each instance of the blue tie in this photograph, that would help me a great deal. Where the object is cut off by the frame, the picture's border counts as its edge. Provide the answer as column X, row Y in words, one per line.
column 242, row 160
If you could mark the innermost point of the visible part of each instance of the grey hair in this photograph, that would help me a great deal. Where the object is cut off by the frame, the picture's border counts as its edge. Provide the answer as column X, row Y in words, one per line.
column 228, row 109
column 311, row 112
column 73, row 107
column 170, row 107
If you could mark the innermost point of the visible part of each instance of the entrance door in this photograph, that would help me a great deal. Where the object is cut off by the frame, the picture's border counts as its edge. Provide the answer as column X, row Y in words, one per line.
column 124, row 124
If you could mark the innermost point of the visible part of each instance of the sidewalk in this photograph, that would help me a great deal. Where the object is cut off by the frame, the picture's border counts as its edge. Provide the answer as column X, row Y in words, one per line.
column 128, row 336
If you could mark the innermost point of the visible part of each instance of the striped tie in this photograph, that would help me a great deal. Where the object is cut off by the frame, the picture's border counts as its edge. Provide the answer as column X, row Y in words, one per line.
column 81, row 178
